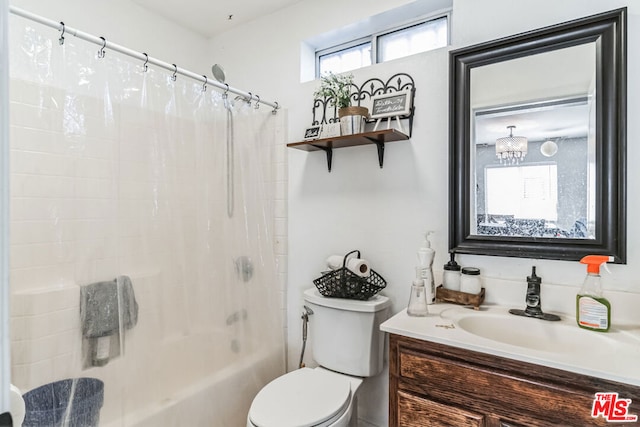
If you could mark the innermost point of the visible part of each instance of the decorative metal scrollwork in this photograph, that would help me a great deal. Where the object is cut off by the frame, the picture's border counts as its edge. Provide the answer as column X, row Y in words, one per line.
column 324, row 112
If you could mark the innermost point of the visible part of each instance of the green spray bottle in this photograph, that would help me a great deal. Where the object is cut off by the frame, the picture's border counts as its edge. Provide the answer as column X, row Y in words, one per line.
column 593, row 311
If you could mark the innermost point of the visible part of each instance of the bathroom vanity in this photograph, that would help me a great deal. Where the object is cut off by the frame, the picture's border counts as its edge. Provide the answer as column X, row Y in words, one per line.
column 443, row 375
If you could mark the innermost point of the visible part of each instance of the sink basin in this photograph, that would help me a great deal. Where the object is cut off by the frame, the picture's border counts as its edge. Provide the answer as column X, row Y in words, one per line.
column 497, row 324
column 492, row 330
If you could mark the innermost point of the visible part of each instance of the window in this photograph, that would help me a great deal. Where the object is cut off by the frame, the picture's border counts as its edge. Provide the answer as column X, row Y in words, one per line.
column 384, row 46
column 346, row 59
column 537, row 186
column 423, row 37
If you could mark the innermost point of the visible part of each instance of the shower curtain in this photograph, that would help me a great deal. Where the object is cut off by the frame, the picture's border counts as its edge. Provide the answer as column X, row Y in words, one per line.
column 118, row 170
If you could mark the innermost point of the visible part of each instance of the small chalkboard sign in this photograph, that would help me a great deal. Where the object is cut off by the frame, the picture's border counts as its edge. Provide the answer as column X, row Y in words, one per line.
column 312, row 133
column 393, row 104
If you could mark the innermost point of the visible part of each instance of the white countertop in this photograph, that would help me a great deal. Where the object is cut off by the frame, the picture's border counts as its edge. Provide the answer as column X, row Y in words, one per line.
column 617, row 360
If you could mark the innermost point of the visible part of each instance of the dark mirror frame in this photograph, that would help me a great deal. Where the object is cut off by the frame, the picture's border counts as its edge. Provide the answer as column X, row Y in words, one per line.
column 608, row 31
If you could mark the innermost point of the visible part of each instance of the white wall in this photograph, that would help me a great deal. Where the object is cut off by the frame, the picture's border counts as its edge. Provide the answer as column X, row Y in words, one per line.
column 383, row 212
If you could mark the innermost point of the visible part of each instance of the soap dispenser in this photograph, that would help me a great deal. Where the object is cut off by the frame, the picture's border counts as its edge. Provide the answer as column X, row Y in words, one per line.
column 451, row 275
column 425, row 262
column 418, row 299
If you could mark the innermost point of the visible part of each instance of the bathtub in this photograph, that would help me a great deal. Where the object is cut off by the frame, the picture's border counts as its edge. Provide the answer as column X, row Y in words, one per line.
column 179, row 368
column 221, row 399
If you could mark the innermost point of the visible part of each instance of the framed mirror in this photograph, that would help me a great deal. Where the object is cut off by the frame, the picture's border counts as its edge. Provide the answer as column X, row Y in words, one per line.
column 538, row 142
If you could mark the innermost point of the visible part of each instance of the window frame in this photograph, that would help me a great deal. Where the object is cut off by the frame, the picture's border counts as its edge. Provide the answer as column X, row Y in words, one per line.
column 373, row 38
column 342, row 47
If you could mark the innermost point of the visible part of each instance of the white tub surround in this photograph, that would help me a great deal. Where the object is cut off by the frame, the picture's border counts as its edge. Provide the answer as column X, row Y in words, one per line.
column 120, row 171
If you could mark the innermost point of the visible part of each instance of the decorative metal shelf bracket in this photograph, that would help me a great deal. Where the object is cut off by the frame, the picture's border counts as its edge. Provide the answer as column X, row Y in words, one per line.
column 329, row 153
column 380, row 146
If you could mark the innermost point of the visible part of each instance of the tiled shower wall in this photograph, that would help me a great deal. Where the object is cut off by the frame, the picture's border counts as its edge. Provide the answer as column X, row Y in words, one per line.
column 64, row 231
column 47, row 232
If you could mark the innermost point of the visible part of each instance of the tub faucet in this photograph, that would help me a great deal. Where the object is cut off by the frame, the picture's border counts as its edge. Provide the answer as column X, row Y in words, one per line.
column 533, row 300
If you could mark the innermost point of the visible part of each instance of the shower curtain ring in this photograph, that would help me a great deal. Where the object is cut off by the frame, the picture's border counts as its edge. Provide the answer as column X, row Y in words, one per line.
column 275, row 109
column 175, row 71
column 101, row 51
column 206, row 81
column 258, row 101
column 250, row 98
column 226, row 91
column 145, row 67
column 61, row 39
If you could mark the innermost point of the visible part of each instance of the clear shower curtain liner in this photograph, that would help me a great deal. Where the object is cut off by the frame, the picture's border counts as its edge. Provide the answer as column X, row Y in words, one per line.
column 121, row 175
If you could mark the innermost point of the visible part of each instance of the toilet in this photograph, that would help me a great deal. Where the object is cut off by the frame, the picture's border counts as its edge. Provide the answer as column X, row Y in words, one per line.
column 347, row 345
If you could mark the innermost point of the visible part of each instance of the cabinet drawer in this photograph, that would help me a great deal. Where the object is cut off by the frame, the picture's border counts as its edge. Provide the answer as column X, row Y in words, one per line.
column 414, row 411
column 499, row 391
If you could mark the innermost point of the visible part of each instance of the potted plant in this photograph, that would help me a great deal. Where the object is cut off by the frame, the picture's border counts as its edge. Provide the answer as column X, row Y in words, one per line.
column 337, row 89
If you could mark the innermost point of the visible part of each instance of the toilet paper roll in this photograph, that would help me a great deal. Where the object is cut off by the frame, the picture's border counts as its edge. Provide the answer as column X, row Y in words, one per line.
column 16, row 406
column 334, row 262
column 359, row 267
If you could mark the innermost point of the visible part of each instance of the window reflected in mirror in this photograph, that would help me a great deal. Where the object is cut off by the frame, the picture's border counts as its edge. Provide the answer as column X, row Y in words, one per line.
column 550, row 192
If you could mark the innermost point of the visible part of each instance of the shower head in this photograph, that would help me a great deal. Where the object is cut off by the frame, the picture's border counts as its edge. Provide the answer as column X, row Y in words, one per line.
column 218, row 72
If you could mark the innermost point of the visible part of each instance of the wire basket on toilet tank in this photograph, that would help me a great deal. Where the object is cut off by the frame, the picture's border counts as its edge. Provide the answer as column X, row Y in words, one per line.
column 354, row 280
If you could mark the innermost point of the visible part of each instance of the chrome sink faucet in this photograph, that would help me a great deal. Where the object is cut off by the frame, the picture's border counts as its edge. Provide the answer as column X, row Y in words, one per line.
column 533, row 300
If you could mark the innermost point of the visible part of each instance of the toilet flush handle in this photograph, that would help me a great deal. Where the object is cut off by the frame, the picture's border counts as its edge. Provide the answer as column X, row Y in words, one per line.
column 305, row 320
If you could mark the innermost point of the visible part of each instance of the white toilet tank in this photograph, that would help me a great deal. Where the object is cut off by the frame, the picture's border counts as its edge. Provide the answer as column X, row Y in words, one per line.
column 346, row 334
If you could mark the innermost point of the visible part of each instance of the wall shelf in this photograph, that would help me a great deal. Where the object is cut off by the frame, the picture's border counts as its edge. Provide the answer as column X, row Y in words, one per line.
column 379, row 138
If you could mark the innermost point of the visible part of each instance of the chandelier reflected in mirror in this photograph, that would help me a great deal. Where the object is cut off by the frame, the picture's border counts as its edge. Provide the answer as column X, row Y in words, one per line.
column 511, row 149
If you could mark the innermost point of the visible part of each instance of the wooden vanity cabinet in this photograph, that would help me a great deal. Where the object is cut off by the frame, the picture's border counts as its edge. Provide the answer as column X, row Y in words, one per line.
column 432, row 384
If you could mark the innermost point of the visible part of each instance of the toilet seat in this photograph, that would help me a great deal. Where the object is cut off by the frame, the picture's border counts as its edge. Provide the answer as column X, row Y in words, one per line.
column 302, row 398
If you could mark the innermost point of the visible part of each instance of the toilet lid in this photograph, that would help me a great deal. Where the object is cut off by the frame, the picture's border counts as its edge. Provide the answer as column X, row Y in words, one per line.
column 302, row 398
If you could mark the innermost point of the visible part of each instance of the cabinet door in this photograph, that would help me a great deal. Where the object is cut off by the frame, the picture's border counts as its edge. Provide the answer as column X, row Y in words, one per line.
column 414, row 411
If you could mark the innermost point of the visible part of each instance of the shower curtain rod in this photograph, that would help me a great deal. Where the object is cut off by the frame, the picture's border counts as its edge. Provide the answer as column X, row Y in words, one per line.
column 104, row 44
